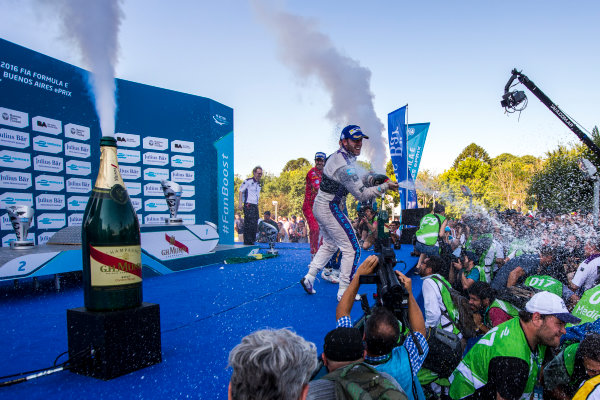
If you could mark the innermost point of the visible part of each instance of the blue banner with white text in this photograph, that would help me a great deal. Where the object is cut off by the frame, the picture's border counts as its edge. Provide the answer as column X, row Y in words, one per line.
column 416, row 135
column 398, row 153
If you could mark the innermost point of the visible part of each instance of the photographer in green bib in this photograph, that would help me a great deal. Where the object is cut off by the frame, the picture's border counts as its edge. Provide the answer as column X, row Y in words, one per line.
column 431, row 233
column 506, row 362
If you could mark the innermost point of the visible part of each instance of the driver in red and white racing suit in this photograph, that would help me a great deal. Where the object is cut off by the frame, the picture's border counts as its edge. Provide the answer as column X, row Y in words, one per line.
column 340, row 177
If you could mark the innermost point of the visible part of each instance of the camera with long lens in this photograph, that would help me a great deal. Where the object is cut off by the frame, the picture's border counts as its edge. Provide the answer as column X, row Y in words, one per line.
column 512, row 99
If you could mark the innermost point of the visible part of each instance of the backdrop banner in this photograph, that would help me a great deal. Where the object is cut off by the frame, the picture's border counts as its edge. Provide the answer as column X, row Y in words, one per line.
column 398, row 153
column 416, row 133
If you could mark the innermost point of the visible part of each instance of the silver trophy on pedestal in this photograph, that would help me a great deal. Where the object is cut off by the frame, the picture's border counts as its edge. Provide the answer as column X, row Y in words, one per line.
column 172, row 191
column 20, row 218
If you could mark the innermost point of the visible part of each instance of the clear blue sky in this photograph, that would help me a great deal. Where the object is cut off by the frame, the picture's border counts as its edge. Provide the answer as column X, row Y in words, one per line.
column 448, row 60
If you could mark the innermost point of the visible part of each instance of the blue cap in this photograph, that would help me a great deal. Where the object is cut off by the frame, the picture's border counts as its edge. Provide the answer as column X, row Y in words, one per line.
column 320, row 155
column 352, row 132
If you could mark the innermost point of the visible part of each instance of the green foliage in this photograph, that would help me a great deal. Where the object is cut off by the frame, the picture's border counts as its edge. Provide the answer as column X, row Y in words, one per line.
column 296, row 164
column 472, row 151
column 471, row 172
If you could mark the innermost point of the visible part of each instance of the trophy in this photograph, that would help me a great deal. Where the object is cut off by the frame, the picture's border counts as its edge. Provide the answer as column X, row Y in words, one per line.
column 172, row 191
column 20, row 218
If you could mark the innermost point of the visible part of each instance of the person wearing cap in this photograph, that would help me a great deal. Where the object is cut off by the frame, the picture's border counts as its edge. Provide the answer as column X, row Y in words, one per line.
column 572, row 367
column 506, row 362
column 343, row 346
column 341, row 176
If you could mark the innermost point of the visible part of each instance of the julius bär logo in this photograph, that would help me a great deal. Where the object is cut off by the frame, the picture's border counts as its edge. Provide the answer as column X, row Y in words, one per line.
column 5, row 116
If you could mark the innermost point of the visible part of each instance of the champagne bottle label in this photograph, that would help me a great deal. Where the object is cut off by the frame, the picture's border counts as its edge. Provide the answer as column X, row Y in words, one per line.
column 109, row 177
column 115, row 265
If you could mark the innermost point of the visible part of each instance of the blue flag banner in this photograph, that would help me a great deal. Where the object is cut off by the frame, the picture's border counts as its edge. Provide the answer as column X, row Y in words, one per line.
column 398, row 149
column 416, row 135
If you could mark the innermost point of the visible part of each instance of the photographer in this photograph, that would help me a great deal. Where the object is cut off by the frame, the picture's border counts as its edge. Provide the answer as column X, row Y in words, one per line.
column 463, row 273
column 368, row 227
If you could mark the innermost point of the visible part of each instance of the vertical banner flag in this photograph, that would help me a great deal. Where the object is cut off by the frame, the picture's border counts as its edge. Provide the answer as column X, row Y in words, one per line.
column 416, row 135
column 397, row 142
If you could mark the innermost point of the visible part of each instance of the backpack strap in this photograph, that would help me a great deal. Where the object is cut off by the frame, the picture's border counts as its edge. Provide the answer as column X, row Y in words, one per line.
column 445, row 312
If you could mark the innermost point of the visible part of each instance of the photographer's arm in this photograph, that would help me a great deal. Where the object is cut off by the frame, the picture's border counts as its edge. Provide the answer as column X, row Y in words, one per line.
column 345, row 305
column 415, row 316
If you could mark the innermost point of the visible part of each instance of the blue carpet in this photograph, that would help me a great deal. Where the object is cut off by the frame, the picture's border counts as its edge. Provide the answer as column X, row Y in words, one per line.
column 204, row 314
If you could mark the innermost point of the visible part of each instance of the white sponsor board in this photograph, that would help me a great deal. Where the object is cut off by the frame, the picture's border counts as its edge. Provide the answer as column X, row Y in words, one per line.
column 14, row 159
column 48, row 163
column 47, row 144
column 133, row 188
column 77, row 203
column 154, row 219
column 16, row 139
column 182, row 146
column 77, row 149
column 79, row 185
column 76, row 167
column 48, row 201
column 156, row 174
column 11, row 237
column 136, row 202
column 155, row 143
column 140, row 218
column 13, row 198
column 6, row 225
column 75, row 219
column 51, row 221
column 15, row 180
column 50, row 183
column 46, row 125
column 130, row 172
column 152, row 158
column 13, row 118
column 187, row 205
column 153, row 189
column 180, row 175
column 78, row 132
column 188, row 190
column 179, row 161
column 43, row 239
column 187, row 219
column 127, row 140
column 172, row 245
column 128, row 156
column 155, row 205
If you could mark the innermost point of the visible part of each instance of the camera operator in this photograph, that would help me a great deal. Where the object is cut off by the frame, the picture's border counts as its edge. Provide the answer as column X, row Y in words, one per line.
column 368, row 227
column 340, row 177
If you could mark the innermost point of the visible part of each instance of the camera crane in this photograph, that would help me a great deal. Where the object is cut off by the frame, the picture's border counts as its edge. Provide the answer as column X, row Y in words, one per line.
column 512, row 100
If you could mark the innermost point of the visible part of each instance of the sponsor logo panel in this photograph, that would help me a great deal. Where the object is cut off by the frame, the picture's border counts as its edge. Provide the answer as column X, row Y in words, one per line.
column 15, row 180
column 79, row 185
column 155, row 205
column 187, row 205
column 51, row 221
column 220, row 120
column 188, row 219
column 155, row 218
column 77, row 149
column 47, row 163
column 17, row 119
column 179, row 161
column 14, row 159
column 79, row 132
column 13, row 198
column 46, row 125
column 180, row 175
column 170, row 245
column 16, row 139
column 50, row 183
column 127, row 140
column 43, row 238
column 6, row 225
column 75, row 219
column 77, row 203
column 130, row 172
column 152, row 158
column 11, row 237
column 188, row 190
column 153, row 189
column 75, row 167
column 182, row 146
column 128, row 156
column 47, row 144
column 133, row 188
column 50, row 202
column 156, row 174
column 136, row 202
column 155, row 143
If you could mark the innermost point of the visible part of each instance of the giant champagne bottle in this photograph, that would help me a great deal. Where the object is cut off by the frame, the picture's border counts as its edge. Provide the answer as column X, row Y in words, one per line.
column 112, row 263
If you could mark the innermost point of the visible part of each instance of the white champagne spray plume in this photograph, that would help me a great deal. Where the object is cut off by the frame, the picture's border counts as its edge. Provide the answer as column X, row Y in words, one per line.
column 94, row 27
column 309, row 52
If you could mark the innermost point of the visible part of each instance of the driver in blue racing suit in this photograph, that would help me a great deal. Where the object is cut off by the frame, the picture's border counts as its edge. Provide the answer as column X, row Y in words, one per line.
column 340, row 177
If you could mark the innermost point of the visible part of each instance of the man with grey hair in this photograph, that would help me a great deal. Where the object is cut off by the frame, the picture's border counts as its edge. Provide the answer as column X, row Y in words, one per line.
column 271, row 364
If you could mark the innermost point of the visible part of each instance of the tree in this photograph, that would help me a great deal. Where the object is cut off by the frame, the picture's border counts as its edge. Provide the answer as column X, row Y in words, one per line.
column 472, row 172
column 509, row 179
column 296, row 164
column 474, row 151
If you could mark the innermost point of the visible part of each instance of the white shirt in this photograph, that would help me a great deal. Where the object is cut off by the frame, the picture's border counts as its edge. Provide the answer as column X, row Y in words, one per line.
column 251, row 190
column 587, row 273
column 434, row 306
